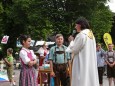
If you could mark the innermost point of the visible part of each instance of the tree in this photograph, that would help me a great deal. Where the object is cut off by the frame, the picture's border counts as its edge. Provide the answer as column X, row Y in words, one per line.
column 42, row 18
column 1, row 11
column 23, row 17
column 113, row 30
column 101, row 21
column 63, row 13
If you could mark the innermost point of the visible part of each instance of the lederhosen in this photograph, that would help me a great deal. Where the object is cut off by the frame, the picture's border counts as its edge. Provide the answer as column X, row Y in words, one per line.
column 110, row 70
column 60, row 70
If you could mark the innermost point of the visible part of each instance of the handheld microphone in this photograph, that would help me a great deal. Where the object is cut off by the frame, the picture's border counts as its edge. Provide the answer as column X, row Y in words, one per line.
column 74, row 32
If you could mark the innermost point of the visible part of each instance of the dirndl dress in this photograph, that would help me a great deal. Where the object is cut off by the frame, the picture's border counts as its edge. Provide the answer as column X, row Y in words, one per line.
column 27, row 74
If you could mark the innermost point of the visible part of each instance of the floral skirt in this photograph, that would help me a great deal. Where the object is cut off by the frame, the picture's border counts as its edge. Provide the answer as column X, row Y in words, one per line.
column 27, row 76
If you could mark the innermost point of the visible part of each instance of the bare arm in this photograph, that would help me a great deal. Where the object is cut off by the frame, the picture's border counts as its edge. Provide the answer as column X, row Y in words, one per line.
column 31, row 63
column 51, row 65
column 52, row 71
column 111, row 65
column 6, row 61
column 107, row 62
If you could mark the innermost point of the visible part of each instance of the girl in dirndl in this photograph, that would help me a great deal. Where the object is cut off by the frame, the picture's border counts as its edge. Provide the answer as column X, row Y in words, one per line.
column 43, row 52
column 28, row 60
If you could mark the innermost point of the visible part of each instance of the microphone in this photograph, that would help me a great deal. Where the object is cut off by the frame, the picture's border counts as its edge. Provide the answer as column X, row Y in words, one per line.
column 74, row 33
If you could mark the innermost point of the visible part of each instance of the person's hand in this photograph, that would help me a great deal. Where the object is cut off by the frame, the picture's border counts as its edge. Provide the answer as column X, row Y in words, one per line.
column 9, row 65
column 68, row 72
column 31, row 63
column 70, row 38
column 111, row 65
column 47, row 62
column 52, row 74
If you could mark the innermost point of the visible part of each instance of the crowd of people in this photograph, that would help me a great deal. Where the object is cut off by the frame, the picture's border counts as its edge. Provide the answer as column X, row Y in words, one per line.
column 106, row 62
column 83, row 61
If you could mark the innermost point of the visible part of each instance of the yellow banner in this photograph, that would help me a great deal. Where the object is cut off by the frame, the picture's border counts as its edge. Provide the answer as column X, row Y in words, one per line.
column 107, row 39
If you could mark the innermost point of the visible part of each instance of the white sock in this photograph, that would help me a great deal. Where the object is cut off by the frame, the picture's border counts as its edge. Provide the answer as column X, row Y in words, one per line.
column 14, row 83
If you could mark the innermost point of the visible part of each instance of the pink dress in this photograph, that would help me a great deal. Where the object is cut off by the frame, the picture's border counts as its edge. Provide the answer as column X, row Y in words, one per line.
column 44, row 75
column 27, row 74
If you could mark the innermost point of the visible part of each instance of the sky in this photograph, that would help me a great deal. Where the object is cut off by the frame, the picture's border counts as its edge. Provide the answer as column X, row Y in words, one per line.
column 111, row 4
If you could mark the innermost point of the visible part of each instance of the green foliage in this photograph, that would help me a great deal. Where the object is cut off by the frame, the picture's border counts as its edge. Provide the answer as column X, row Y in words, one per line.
column 63, row 13
column 1, row 8
column 42, row 18
column 101, row 21
column 113, row 30
column 1, row 11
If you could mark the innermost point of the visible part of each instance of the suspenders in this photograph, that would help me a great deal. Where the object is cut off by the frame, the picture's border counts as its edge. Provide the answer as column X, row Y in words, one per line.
column 60, row 52
column 110, row 56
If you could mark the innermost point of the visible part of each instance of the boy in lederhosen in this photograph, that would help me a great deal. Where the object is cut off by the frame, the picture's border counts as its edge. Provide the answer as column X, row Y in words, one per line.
column 59, row 60
column 110, row 60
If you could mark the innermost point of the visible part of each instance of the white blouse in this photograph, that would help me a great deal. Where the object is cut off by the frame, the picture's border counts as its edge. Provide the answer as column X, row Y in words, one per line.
column 41, row 51
column 23, row 55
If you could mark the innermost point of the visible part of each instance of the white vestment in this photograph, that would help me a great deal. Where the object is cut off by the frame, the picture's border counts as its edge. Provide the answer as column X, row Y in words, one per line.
column 84, row 69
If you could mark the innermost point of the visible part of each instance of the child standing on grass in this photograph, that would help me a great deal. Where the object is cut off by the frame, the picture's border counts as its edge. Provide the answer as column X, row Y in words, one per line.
column 9, row 65
column 28, row 60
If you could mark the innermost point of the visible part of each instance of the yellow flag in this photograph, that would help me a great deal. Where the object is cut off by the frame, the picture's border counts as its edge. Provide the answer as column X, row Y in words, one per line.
column 107, row 39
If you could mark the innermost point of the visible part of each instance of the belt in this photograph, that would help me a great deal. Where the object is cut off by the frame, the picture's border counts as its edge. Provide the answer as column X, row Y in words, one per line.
column 59, row 63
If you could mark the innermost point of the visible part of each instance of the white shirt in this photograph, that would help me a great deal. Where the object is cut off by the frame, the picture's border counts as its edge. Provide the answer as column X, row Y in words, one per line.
column 23, row 55
column 41, row 51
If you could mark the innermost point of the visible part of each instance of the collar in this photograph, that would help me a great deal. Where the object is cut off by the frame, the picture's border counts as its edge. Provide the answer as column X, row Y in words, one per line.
column 58, row 47
column 88, row 32
column 23, row 48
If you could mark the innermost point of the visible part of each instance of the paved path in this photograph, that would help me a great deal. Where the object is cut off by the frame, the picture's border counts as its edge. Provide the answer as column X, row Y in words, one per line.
column 106, row 81
column 17, row 80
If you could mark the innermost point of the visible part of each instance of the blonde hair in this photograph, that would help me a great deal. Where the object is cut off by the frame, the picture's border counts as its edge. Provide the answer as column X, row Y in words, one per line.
column 10, row 50
column 58, row 35
column 111, row 44
column 44, row 43
column 98, row 44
